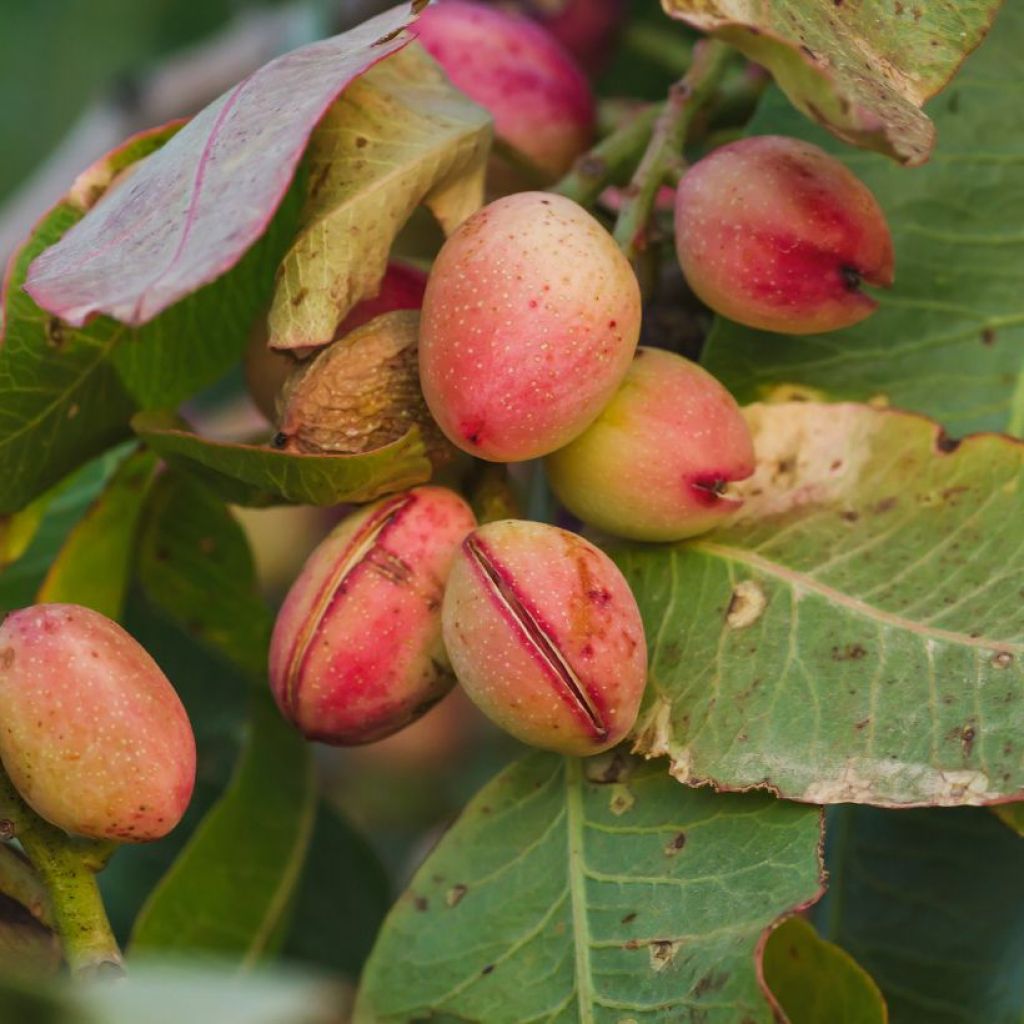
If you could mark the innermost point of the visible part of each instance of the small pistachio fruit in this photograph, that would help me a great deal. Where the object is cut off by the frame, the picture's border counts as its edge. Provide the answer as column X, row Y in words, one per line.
column 654, row 464
column 356, row 652
column 545, row 636
column 774, row 233
column 530, row 320
column 92, row 734
column 360, row 393
column 539, row 98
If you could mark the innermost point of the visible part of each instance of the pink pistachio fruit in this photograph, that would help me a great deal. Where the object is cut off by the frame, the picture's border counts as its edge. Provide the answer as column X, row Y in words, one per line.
column 586, row 28
column 776, row 234
column 92, row 734
column 530, row 321
column 356, row 652
column 654, row 464
column 545, row 636
column 539, row 98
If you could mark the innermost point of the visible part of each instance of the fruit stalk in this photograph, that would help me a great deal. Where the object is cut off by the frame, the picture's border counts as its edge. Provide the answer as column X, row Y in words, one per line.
column 610, row 158
column 67, row 869
column 664, row 150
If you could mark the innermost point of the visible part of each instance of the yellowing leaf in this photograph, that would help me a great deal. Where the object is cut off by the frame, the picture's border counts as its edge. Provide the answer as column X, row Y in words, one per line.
column 863, row 70
column 400, row 136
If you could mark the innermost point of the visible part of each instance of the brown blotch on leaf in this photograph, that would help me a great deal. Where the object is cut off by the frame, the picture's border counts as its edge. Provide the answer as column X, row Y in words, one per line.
column 421, row 903
column 713, row 981
column 988, row 336
column 360, row 393
column 630, row 917
column 851, row 652
column 454, row 895
column 675, row 844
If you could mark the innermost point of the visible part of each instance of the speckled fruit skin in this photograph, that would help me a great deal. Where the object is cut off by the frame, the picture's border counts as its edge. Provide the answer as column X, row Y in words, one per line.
column 539, row 98
column 653, row 465
column 774, row 233
column 356, row 652
column 545, row 636
column 92, row 734
column 530, row 320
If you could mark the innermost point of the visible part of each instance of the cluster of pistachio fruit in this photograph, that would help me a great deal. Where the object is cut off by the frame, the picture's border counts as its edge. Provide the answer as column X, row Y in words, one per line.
column 527, row 349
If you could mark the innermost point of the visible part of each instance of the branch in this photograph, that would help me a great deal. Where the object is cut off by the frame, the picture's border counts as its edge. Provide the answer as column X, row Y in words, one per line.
column 20, row 882
column 66, row 869
column 663, row 156
column 610, row 158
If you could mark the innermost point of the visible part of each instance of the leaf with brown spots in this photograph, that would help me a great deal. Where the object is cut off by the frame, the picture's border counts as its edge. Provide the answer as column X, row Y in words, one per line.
column 568, row 912
column 856, row 633
column 863, row 70
column 401, row 136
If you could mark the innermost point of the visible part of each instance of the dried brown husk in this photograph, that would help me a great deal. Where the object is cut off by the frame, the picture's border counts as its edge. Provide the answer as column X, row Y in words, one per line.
column 360, row 393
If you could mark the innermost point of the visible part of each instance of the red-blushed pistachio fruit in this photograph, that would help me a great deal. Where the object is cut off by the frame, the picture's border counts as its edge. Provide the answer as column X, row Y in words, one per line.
column 586, row 28
column 356, row 652
column 530, row 320
column 92, row 734
column 774, row 233
column 654, row 464
column 539, row 98
column 545, row 636
column 267, row 369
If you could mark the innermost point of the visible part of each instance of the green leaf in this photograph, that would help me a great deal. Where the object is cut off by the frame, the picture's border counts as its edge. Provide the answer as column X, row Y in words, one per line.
column 342, row 899
column 231, row 888
column 93, row 567
column 1011, row 815
column 229, row 891
column 931, row 903
column 18, row 529
column 246, row 474
column 68, row 393
column 862, row 70
column 64, row 505
column 816, row 982
column 594, row 892
column 400, row 136
column 948, row 338
column 856, row 632
column 195, row 563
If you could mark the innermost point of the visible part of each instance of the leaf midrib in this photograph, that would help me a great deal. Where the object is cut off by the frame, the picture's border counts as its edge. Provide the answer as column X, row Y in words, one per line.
column 801, row 581
column 574, row 825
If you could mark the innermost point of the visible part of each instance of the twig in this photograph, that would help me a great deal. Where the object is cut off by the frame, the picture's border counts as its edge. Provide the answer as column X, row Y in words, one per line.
column 19, row 882
column 663, row 156
column 65, row 868
column 610, row 158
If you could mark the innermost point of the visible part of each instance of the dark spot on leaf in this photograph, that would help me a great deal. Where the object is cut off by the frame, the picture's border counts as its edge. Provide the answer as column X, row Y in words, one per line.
column 629, row 918
column 862, row 724
column 713, row 981
column 967, row 736
column 988, row 336
column 851, row 652
column 487, row 969
column 945, row 443
column 675, row 844
column 885, row 505
column 421, row 903
column 849, row 515
column 299, row 296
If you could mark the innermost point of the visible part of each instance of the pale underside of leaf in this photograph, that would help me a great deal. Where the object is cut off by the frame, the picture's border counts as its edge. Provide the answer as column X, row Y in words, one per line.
column 861, row 70
column 192, row 210
column 594, row 892
column 857, row 632
column 399, row 137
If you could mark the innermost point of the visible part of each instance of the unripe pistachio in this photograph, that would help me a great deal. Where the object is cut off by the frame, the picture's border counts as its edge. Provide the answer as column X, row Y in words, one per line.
column 530, row 320
column 356, row 652
column 539, row 98
column 654, row 464
column 774, row 233
column 92, row 734
column 545, row 636
column 360, row 393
